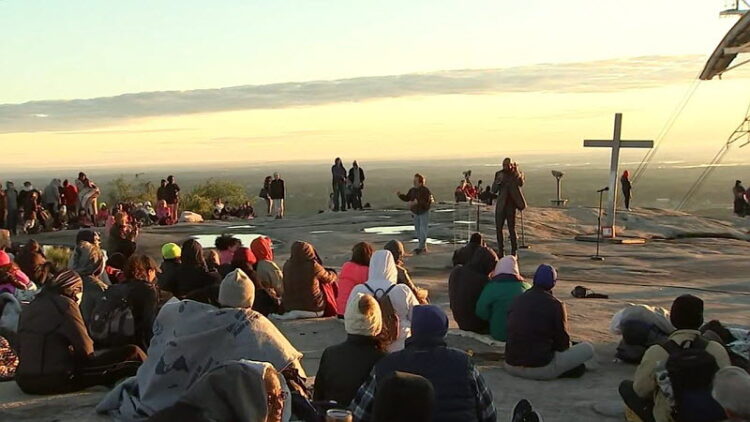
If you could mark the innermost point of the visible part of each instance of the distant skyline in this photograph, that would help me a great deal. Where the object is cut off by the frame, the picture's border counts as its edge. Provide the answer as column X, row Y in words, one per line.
column 144, row 83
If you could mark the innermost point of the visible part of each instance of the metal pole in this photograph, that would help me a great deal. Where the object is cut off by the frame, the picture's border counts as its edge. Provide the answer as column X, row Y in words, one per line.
column 599, row 229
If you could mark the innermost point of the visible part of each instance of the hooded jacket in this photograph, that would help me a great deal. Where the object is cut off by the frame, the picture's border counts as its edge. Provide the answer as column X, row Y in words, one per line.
column 52, row 338
column 494, row 302
column 193, row 273
column 32, row 262
column 303, row 276
column 88, row 261
column 382, row 274
column 465, row 285
column 268, row 274
column 351, row 275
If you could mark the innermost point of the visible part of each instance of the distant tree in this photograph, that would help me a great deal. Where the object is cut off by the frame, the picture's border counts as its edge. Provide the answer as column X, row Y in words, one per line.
column 201, row 198
column 131, row 190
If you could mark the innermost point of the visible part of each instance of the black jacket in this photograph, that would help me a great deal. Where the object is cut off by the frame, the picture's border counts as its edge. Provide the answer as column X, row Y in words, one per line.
column 277, row 190
column 143, row 298
column 361, row 176
column 344, row 367
column 537, row 328
column 465, row 285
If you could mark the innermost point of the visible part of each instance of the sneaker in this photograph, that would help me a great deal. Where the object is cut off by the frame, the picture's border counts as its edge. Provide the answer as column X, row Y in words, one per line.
column 521, row 410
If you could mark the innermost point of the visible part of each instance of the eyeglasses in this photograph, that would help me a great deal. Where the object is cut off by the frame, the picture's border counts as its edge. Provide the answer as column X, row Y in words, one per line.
column 277, row 399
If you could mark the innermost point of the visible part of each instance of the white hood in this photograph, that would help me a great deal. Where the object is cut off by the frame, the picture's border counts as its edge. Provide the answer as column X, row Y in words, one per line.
column 382, row 267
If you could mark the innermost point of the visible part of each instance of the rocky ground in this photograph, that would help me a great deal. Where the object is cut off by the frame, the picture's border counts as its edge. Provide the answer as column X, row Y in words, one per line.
column 683, row 254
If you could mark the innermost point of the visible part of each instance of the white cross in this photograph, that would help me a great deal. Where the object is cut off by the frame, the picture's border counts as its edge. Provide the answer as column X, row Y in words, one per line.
column 615, row 143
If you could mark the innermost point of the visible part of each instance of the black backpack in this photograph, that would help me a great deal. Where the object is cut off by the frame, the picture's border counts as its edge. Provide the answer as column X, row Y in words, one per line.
column 112, row 322
column 691, row 371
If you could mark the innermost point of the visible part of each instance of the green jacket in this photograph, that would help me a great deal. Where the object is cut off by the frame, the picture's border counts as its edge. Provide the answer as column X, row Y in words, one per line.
column 495, row 300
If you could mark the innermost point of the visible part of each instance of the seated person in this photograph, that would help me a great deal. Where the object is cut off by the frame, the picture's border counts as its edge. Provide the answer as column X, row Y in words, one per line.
column 31, row 260
column 87, row 261
column 304, row 277
column 353, row 272
column 460, row 193
column 122, row 236
column 487, row 197
column 226, row 245
column 142, row 296
column 189, row 335
column 232, row 391
column 193, row 273
column 396, row 248
column 731, row 390
column 460, row 391
column 463, row 255
column 644, row 397
column 164, row 216
column 344, row 367
column 266, row 300
column 114, row 268
column 171, row 253
column 268, row 274
column 503, row 288
column 404, row 397
column 102, row 215
column 59, row 358
column 538, row 345
column 381, row 282
column 465, row 284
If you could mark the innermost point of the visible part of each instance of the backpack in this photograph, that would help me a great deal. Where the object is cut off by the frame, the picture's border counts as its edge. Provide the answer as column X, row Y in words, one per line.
column 390, row 330
column 112, row 322
column 691, row 371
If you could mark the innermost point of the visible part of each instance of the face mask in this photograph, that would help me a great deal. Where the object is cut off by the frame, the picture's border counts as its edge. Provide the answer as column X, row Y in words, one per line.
column 79, row 295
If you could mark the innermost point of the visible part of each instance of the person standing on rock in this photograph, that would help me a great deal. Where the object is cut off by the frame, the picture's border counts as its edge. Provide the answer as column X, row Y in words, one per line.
column 507, row 185
column 172, row 195
column 420, row 200
column 740, row 204
column 627, row 188
column 357, row 179
column 277, row 192
column 338, row 172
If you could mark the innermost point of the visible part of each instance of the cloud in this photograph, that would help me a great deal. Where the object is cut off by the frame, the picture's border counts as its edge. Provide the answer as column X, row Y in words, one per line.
column 586, row 77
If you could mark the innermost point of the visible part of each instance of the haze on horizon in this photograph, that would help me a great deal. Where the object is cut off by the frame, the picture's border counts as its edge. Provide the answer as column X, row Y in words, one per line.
column 142, row 83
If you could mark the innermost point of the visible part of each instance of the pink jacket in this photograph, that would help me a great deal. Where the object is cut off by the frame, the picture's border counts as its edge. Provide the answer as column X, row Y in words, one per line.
column 351, row 275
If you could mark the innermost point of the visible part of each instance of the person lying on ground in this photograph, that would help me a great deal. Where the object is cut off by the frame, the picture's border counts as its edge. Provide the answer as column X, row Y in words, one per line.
column 59, row 358
column 690, row 390
column 503, row 288
column 461, row 393
column 538, row 345
column 345, row 366
column 465, row 285
column 382, row 285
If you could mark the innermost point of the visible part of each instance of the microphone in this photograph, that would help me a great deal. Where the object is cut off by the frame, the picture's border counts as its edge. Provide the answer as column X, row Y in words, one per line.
column 605, row 189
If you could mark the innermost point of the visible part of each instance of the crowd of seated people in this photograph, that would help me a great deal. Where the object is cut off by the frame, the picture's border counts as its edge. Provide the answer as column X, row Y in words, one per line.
column 146, row 329
column 223, row 211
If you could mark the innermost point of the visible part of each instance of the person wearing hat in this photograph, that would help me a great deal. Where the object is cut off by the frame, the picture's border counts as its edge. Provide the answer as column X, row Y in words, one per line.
column 404, row 397
column 170, row 253
column 503, row 288
column 59, row 358
column 461, row 393
column 642, row 396
column 731, row 389
column 345, row 366
column 538, row 345
column 237, row 290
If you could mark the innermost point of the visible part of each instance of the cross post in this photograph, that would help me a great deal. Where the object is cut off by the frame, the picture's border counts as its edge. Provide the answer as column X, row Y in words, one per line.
column 615, row 144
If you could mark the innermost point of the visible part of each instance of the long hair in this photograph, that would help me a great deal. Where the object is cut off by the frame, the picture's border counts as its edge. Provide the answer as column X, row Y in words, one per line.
column 361, row 253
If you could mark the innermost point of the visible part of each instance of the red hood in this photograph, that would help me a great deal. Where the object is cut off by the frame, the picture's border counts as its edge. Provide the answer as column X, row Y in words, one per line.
column 262, row 249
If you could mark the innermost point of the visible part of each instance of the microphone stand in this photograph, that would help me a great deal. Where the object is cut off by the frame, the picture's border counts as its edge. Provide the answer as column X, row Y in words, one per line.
column 598, row 257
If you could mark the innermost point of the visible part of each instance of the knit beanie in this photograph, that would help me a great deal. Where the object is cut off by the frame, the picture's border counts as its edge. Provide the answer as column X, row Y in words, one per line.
column 363, row 316
column 171, row 251
column 428, row 321
column 545, row 277
column 4, row 258
column 507, row 265
column 237, row 290
column 687, row 312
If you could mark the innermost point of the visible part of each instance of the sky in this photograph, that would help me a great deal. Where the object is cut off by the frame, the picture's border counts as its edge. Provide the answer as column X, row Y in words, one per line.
column 142, row 83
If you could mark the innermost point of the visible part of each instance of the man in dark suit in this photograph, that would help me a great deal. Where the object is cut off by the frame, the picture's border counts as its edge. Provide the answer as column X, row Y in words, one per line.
column 507, row 185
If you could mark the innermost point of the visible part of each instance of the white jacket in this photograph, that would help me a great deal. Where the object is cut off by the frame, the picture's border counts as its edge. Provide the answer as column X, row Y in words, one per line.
column 382, row 275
